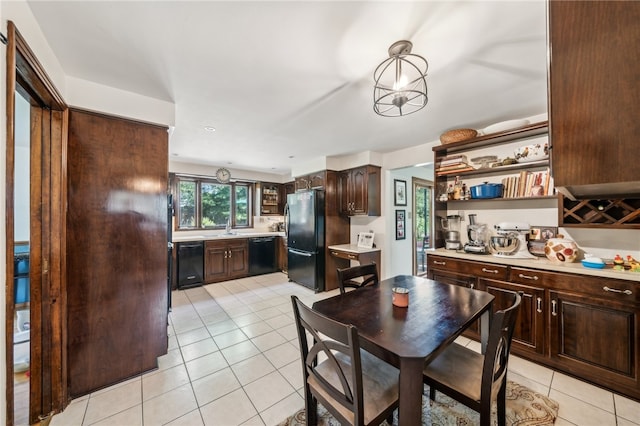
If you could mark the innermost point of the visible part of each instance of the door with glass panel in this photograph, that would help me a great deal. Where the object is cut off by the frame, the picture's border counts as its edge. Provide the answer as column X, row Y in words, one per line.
column 422, row 222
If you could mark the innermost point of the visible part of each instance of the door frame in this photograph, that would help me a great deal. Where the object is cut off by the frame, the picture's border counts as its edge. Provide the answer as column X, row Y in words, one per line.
column 415, row 182
column 49, row 118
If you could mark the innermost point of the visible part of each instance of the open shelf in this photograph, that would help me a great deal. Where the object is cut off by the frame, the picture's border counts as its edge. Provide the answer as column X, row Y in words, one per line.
column 619, row 213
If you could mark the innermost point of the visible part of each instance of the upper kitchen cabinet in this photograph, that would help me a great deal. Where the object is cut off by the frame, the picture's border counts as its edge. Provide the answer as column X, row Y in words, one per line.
column 270, row 199
column 593, row 98
column 359, row 191
column 315, row 180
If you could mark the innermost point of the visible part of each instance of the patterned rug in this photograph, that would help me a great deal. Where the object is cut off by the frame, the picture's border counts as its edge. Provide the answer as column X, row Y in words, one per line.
column 524, row 407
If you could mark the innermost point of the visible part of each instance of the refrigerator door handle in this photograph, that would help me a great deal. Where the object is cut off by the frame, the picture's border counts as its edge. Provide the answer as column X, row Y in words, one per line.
column 301, row 253
column 286, row 220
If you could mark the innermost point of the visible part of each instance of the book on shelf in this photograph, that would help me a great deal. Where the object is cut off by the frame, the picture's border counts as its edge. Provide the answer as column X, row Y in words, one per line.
column 528, row 184
column 451, row 160
column 454, row 170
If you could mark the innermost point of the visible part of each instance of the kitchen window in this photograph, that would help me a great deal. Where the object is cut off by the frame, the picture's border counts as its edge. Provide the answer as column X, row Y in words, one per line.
column 204, row 203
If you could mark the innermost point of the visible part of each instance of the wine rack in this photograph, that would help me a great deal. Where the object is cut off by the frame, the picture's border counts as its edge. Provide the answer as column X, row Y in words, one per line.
column 618, row 213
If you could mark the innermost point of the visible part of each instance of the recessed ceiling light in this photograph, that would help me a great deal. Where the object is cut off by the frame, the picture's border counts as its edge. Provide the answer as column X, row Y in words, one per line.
column 210, row 128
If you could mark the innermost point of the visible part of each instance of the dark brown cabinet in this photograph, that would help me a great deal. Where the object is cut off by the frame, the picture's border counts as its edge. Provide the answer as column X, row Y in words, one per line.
column 116, row 249
column 271, row 199
column 593, row 97
column 315, row 180
column 226, row 259
column 584, row 325
column 359, row 191
column 281, row 249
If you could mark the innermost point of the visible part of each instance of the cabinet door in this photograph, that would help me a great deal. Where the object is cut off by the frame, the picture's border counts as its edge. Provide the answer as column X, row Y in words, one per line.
column 270, row 199
column 238, row 259
column 596, row 338
column 592, row 103
column 529, row 330
column 302, row 183
column 344, row 192
column 282, row 253
column 215, row 261
column 358, row 190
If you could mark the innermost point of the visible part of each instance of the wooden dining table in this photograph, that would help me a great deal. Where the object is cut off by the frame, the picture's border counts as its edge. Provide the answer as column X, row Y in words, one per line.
column 410, row 337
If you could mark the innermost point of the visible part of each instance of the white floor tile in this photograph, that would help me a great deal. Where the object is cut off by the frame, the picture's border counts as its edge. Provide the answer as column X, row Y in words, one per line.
column 240, row 352
column 113, row 401
column 268, row 390
column 627, row 409
column 252, row 369
column 169, row 406
column 192, row 418
column 232, row 409
column 257, row 329
column 171, row 359
column 281, row 410
column 292, row 372
column 268, row 340
column 283, row 354
column 530, row 370
column 213, row 386
column 73, row 415
column 221, row 327
column 206, row 365
column 230, row 338
column 163, row 381
column 129, row 417
column 198, row 349
column 583, row 391
column 580, row 412
column 193, row 336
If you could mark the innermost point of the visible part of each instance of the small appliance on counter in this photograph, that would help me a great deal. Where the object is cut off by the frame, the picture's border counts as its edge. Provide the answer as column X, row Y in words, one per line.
column 451, row 228
column 478, row 236
column 511, row 240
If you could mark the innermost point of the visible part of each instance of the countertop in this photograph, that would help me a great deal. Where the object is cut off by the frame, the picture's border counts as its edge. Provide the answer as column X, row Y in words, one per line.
column 221, row 236
column 539, row 263
column 353, row 248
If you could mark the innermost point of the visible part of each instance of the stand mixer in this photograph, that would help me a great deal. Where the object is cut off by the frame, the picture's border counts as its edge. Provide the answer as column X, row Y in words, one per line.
column 511, row 240
column 451, row 228
column 478, row 235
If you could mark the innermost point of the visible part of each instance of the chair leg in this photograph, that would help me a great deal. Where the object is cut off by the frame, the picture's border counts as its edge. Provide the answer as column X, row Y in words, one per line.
column 502, row 404
column 432, row 393
column 311, row 407
column 390, row 418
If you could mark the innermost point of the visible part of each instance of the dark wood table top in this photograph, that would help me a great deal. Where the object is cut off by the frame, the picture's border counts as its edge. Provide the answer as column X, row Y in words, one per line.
column 436, row 315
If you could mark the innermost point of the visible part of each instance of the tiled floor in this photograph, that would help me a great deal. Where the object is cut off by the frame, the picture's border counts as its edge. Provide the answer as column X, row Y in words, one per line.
column 233, row 360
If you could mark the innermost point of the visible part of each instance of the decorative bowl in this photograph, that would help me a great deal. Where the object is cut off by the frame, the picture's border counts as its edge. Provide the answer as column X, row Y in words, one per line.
column 535, row 152
column 561, row 250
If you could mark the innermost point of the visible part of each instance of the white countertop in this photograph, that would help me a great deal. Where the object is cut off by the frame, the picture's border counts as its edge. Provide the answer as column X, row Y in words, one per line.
column 353, row 248
column 177, row 238
column 540, row 263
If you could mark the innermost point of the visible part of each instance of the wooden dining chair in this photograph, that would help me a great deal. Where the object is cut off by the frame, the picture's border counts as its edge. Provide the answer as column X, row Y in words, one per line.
column 474, row 379
column 354, row 386
column 347, row 276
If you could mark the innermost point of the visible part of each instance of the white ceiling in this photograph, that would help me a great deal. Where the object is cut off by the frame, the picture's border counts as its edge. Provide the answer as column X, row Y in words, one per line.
column 287, row 82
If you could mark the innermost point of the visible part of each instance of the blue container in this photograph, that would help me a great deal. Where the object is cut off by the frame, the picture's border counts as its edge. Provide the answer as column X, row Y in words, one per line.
column 21, row 289
column 487, row 190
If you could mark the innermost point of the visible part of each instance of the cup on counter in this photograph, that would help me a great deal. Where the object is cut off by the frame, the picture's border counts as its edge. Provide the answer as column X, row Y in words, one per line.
column 400, row 297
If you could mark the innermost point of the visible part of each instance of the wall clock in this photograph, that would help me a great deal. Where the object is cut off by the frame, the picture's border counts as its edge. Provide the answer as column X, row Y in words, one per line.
column 223, row 175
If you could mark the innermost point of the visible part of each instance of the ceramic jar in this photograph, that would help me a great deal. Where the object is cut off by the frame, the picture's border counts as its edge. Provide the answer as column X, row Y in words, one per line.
column 561, row 250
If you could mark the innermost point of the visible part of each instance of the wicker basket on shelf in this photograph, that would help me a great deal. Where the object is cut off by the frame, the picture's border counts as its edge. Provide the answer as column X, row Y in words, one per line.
column 457, row 135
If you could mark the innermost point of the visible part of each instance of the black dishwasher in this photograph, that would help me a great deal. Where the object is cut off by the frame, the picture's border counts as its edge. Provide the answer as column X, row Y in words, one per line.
column 190, row 264
column 262, row 255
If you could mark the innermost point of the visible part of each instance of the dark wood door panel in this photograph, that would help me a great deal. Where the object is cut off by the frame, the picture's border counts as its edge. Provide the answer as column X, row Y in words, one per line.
column 595, row 333
column 529, row 329
column 116, row 249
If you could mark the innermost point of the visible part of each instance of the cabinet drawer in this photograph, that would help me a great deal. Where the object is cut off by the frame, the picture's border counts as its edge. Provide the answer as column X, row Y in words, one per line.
column 478, row 269
column 528, row 276
column 344, row 254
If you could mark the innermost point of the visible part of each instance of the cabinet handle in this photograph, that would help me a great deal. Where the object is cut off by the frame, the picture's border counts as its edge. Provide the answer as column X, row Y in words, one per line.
column 539, row 305
column 230, row 254
column 471, row 285
column 491, row 271
column 352, row 256
column 615, row 290
column 226, row 254
column 435, row 262
column 528, row 277
column 190, row 277
column 554, row 308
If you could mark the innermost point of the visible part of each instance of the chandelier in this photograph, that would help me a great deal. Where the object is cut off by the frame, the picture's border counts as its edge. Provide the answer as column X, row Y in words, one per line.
column 400, row 85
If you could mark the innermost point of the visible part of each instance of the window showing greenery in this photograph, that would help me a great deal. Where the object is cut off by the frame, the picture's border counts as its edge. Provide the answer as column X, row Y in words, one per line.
column 206, row 204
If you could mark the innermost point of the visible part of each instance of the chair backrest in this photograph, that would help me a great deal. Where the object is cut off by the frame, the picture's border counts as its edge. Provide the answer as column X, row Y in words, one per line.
column 368, row 273
column 339, row 342
column 496, row 357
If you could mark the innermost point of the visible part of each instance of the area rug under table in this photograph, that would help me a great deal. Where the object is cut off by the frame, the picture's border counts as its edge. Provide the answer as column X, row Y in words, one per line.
column 524, row 408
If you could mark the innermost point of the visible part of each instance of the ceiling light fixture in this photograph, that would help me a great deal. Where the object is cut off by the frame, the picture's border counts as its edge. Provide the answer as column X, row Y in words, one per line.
column 210, row 128
column 400, row 84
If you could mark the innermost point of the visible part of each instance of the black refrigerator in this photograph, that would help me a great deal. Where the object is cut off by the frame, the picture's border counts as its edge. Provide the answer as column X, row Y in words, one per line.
column 305, row 238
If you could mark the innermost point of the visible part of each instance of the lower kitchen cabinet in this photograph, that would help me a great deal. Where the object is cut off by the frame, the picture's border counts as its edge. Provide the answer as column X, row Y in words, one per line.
column 281, row 250
column 528, row 334
column 226, row 259
column 583, row 325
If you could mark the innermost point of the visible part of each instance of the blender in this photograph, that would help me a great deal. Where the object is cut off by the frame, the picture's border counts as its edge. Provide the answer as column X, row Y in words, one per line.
column 478, row 236
column 451, row 227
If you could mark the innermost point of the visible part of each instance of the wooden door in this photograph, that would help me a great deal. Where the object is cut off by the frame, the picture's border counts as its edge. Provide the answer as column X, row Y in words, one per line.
column 358, row 190
column 215, row 261
column 528, row 334
column 593, row 99
column 117, row 249
column 238, row 260
column 596, row 338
